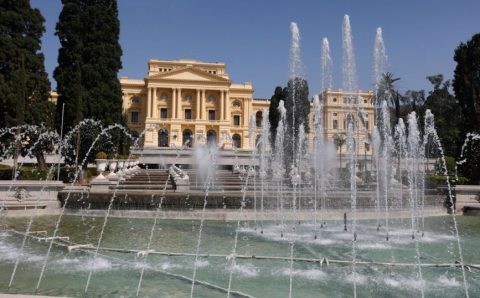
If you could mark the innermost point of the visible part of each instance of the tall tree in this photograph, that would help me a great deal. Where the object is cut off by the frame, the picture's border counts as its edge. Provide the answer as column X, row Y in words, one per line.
column 101, row 61
column 273, row 113
column 68, row 74
column 24, row 84
column 466, row 82
column 297, row 105
column 414, row 98
column 339, row 140
column 88, row 64
column 447, row 113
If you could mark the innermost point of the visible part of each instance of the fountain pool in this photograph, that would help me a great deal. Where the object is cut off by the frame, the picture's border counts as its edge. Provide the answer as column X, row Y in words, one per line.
column 117, row 273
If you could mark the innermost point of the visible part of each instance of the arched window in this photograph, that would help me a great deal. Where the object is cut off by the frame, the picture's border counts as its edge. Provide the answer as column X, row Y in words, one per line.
column 163, row 138
column 259, row 118
column 350, row 119
column 237, row 140
column 211, row 138
column 187, row 138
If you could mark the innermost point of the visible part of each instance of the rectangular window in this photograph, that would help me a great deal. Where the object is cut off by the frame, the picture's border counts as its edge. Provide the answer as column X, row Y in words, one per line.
column 163, row 113
column 366, row 125
column 335, row 124
column 134, row 117
column 188, row 114
column 236, row 120
column 211, row 115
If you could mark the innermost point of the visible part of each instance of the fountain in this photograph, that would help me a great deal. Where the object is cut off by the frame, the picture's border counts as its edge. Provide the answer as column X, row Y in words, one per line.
column 282, row 224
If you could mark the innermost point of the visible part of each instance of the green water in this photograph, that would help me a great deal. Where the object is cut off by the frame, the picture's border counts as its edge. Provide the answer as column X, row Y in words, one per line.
column 117, row 274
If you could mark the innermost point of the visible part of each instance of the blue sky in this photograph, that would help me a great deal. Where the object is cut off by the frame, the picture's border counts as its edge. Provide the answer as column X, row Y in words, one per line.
column 253, row 37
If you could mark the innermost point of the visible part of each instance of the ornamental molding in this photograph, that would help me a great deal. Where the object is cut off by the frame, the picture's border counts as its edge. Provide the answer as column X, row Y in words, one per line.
column 202, row 75
column 21, row 194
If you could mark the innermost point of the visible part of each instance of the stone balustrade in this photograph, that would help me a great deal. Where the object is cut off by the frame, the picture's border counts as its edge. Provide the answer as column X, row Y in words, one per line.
column 180, row 179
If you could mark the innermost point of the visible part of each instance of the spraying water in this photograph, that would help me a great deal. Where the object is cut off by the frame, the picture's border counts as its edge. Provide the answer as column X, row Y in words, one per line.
column 263, row 166
column 278, row 165
column 376, row 155
column 318, row 145
column 252, row 124
column 413, row 140
column 327, row 65
column 430, row 130
column 379, row 65
column 349, row 68
column 349, row 75
column 379, row 58
column 207, row 185
column 62, row 211
column 49, row 136
column 353, row 200
column 401, row 148
column 296, row 71
column 385, row 160
column 469, row 138
column 232, row 256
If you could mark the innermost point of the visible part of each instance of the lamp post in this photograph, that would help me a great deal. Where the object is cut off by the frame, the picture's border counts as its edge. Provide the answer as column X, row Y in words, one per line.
column 61, row 144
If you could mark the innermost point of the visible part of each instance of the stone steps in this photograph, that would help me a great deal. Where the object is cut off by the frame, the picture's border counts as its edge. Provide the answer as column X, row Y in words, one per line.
column 223, row 180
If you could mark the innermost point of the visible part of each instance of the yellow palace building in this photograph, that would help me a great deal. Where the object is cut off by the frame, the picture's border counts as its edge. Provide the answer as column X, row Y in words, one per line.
column 187, row 101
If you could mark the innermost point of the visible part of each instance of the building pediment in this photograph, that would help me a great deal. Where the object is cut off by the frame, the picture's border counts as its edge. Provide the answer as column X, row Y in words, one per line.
column 188, row 74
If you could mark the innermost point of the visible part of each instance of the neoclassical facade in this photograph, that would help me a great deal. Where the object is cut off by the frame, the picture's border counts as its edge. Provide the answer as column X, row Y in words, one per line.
column 187, row 101
column 182, row 102
column 338, row 106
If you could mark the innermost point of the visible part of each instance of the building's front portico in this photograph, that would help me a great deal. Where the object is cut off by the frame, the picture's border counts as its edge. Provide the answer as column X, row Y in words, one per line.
column 184, row 102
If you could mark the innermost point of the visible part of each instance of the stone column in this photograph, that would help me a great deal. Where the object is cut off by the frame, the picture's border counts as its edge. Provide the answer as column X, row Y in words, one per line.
column 203, row 101
column 149, row 102
column 197, row 105
column 227, row 107
column 222, row 105
column 152, row 96
column 154, row 103
column 174, row 103
column 179, row 104
column 124, row 99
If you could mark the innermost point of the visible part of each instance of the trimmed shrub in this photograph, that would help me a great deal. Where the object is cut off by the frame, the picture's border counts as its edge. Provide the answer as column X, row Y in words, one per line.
column 101, row 155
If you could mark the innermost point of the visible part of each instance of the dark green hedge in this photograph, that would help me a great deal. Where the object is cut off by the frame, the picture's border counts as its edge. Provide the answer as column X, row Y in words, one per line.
column 433, row 181
column 33, row 173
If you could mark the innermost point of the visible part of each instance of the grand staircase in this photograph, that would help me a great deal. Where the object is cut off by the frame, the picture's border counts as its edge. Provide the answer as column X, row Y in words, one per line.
column 146, row 180
column 223, row 181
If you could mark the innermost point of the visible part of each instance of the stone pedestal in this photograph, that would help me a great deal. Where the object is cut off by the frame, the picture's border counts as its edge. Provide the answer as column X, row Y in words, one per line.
column 100, row 184
column 182, row 184
column 467, row 197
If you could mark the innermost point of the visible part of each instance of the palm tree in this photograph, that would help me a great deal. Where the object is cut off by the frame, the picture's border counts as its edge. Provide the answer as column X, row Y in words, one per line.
column 387, row 91
column 339, row 141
